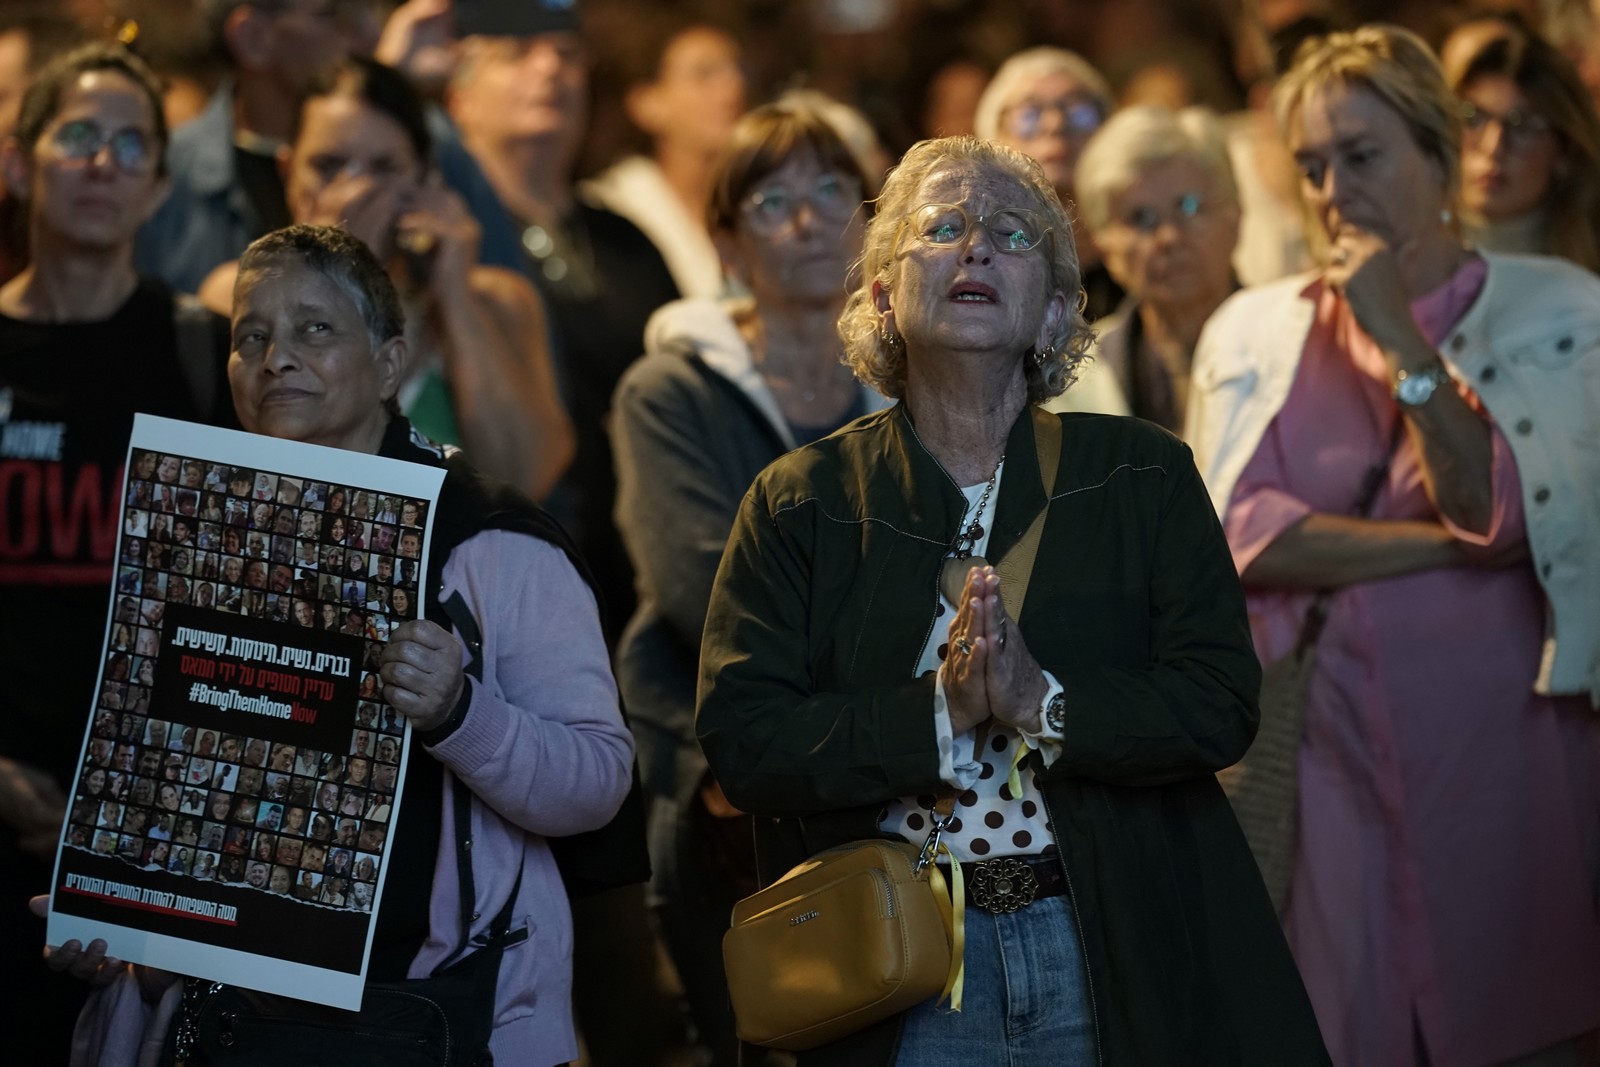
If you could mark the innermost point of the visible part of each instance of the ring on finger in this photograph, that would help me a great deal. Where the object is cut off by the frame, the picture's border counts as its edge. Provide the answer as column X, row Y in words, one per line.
column 963, row 646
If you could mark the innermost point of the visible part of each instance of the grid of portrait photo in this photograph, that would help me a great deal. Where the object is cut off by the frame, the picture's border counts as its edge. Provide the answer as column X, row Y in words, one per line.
column 301, row 823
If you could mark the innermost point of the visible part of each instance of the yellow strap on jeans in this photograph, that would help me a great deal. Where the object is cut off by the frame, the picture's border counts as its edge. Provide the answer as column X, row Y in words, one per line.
column 953, row 909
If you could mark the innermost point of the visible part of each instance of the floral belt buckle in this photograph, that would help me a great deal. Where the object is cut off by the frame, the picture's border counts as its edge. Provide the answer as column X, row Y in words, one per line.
column 1002, row 885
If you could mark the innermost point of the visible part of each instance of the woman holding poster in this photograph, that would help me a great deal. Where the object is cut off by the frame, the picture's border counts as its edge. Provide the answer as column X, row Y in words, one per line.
column 527, row 733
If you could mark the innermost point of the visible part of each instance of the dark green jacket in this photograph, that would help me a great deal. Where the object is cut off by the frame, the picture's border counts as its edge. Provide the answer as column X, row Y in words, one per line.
column 812, row 718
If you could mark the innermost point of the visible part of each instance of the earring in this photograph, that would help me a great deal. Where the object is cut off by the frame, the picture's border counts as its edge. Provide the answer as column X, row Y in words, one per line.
column 1043, row 355
column 887, row 335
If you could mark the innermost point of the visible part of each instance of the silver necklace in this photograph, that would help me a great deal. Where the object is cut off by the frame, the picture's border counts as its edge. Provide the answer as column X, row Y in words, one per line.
column 953, row 574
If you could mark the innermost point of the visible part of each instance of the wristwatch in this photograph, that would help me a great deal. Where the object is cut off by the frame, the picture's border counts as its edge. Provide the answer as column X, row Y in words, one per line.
column 1055, row 713
column 1413, row 390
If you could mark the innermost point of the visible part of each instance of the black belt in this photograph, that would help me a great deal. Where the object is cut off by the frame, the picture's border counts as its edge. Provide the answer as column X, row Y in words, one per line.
column 1012, row 882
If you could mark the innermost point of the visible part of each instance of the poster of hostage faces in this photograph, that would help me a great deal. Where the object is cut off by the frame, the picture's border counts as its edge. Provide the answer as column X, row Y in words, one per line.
column 240, row 772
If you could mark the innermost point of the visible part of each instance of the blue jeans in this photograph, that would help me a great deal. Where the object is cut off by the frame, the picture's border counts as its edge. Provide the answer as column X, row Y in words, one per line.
column 1026, row 1000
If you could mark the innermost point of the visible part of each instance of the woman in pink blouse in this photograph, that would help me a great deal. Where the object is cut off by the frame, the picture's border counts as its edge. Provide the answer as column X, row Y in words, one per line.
column 1443, row 902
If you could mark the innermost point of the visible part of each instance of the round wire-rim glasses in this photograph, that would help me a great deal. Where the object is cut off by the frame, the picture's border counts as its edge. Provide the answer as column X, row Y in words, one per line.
column 1010, row 229
column 833, row 197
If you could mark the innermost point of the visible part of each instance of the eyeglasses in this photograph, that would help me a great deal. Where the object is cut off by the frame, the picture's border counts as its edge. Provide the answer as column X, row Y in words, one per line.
column 1010, row 229
column 1517, row 127
column 1075, row 115
column 834, row 198
column 81, row 139
column 1185, row 209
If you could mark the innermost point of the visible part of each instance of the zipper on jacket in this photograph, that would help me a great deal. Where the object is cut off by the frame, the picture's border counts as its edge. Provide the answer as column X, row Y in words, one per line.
column 1077, row 921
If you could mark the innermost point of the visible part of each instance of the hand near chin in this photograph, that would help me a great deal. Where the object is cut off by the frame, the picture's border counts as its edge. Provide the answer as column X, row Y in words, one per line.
column 1363, row 267
column 364, row 208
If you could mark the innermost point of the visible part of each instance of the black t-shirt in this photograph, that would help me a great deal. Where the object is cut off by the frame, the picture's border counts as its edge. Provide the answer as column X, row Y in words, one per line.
column 68, row 393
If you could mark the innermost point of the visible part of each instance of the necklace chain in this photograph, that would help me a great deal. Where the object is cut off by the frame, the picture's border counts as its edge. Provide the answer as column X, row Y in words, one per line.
column 968, row 539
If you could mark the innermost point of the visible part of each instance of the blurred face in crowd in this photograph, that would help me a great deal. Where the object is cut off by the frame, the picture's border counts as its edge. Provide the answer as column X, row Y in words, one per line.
column 1509, row 153
column 796, row 234
column 1360, row 168
column 1051, row 118
column 91, row 178
column 296, row 40
column 351, row 165
column 522, row 88
column 1171, row 234
column 698, row 93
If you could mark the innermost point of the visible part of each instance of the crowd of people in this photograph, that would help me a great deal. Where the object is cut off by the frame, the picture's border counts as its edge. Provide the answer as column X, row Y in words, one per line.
column 757, row 373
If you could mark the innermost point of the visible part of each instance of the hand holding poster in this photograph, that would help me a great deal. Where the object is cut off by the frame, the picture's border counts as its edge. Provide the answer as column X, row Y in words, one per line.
column 241, row 768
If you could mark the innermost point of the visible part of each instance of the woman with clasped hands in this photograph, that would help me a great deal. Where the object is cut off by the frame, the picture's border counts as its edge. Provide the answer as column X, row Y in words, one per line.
column 859, row 659
column 528, row 727
column 1448, row 761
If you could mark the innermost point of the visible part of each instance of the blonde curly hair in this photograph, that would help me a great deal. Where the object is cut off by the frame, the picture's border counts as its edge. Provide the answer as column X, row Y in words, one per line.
column 882, row 364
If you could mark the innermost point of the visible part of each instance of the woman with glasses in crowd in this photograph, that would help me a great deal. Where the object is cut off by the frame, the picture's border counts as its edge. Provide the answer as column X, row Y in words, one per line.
column 723, row 390
column 1046, row 103
column 860, row 658
column 1156, row 190
column 84, row 343
column 1530, row 146
column 1441, row 881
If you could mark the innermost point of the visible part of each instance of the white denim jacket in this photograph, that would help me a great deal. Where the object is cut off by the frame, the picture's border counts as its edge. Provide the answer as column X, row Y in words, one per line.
column 1529, row 346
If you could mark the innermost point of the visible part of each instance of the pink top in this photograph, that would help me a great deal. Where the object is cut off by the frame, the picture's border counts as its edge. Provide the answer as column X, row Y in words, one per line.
column 1444, row 885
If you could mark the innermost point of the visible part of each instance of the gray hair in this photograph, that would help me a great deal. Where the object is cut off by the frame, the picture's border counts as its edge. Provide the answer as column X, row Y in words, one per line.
column 882, row 364
column 345, row 262
column 1139, row 139
column 1028, row 66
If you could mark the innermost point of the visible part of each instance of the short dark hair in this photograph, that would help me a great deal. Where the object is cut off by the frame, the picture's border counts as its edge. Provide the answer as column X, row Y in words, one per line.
column 764, row 140
column 342, row 259
column 43, row 98
column 380, row 87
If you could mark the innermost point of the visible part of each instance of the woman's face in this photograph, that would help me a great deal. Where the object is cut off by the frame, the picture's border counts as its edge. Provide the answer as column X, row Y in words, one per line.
column 698, row 93
column 348, row 151
column 1171, row 235
column 327, row 387
column 966, row 296
column 1051, row 118
column 1360, row 170
column 796, row 235
column 167, row 470
column 85, row 190
column 1509, row 154
column 255, row 576
column 401, row 601
column 232, row 569
column 95, row 782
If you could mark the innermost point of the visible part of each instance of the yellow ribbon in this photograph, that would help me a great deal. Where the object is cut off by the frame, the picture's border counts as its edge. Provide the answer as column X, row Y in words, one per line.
column 1013, row 779
column 953, row 909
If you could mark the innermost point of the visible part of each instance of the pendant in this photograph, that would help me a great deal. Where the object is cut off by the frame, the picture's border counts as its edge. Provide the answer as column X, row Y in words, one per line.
column 953, row 576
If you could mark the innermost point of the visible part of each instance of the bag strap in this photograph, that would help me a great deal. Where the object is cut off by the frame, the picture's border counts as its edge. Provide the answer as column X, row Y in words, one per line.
column 1016, row 569
column 1371, row 484
column 500, row 926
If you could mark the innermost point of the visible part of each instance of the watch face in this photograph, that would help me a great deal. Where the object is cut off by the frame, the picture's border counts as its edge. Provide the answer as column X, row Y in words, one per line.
column 1055, row 713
